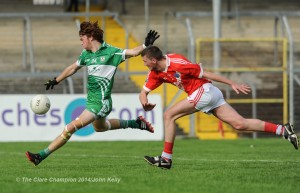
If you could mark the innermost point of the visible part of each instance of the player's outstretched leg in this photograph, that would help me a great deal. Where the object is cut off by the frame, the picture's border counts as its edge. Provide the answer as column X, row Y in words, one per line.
column 144, row 125
column 290, row 135
column 159, row 162
column 34, row 158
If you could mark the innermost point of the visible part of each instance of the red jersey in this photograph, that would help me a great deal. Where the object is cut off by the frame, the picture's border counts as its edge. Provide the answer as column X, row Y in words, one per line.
column 179, row 72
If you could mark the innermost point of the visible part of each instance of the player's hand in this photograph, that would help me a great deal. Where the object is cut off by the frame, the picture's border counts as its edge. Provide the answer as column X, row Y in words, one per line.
column 148, row 106
column 244, row 88
column 51, row 83
column 151, row 37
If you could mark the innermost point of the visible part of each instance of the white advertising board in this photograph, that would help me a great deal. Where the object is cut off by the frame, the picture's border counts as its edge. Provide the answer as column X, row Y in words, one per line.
column 19, row 123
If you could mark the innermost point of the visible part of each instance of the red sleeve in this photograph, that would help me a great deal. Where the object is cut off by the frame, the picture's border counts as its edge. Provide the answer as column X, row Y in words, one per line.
column 152, row 82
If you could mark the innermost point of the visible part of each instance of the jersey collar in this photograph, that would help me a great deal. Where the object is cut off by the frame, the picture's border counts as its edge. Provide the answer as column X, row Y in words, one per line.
column 103, row 45
column 167, row 63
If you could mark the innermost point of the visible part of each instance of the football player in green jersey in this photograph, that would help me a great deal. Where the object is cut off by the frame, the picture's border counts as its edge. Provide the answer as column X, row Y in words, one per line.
column 101, row 60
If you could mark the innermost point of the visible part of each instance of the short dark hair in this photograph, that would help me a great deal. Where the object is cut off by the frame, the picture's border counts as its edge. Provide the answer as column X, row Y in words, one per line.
column 91, row 30
column 152, row 52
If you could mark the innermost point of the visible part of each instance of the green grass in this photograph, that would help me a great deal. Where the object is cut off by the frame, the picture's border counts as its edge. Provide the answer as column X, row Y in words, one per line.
column 264, row 165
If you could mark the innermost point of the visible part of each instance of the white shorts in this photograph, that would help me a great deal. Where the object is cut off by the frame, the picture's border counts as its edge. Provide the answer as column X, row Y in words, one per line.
column 206, row 98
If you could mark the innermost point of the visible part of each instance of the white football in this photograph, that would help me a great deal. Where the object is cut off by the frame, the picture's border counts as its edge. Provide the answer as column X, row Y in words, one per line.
column 40, row 104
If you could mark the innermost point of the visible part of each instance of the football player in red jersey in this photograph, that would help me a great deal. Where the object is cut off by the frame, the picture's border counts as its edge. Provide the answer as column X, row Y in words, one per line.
column 202, row 96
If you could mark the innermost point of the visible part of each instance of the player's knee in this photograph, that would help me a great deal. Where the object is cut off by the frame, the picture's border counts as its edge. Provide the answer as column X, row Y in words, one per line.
column 169, row 116
column 102, row 128
column 71, row 128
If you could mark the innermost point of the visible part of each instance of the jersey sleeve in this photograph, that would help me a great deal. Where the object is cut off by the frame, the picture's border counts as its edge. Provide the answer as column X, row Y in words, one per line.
column 81, row 58
column 152, row 82
column 118, row 55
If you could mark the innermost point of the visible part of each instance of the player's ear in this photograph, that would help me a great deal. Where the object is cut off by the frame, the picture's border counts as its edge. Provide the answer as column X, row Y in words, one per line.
column 91, row 38
column 153, row 60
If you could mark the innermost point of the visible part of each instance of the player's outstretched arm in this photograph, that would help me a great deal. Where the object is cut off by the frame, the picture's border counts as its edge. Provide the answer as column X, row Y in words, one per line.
column 149, row 40
column 69, row 71
column 244, row 88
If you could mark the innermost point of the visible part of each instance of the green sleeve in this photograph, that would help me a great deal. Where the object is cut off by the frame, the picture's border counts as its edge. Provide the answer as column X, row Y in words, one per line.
column 81, row 58
column 118, row 56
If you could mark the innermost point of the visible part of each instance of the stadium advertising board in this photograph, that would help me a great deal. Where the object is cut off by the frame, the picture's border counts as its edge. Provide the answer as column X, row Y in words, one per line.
column 19, row 123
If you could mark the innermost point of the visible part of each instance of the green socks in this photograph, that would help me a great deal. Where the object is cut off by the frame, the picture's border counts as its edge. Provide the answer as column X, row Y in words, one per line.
column 45, row 153
column 129, row 123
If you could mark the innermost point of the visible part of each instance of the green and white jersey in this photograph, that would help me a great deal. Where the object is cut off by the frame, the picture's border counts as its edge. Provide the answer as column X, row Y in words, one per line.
column 101, row 67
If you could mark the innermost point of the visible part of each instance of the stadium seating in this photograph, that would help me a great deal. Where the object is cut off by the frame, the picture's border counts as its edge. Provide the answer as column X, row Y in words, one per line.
column 48, row 40
column 240, row 27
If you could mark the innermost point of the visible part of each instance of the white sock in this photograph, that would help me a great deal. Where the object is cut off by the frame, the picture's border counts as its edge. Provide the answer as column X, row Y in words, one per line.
column 279, row 130
column 166, row 155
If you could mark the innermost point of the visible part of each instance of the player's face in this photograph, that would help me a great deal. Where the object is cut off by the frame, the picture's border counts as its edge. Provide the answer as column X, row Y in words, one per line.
column 85, row 42
column 150, row 63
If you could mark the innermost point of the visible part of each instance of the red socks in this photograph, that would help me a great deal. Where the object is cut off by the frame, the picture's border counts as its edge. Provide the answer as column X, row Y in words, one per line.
column 168, row 150
column 270, row 127
column 273, row 128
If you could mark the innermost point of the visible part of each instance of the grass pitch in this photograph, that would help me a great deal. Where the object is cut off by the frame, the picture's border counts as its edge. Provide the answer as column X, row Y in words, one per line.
column 245, row 165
